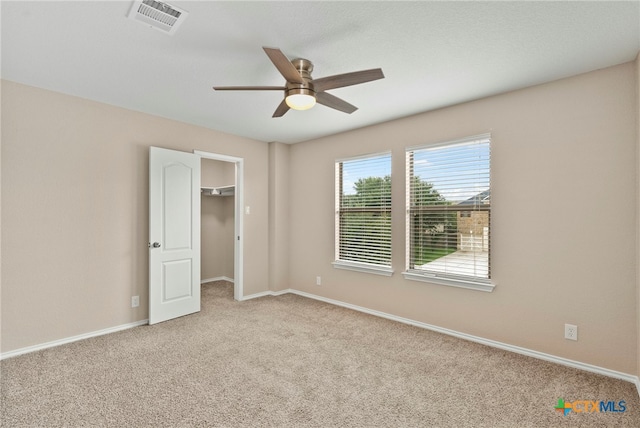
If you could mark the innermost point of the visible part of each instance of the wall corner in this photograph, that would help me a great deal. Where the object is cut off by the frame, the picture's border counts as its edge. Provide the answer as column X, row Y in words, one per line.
column 279, row 177
column 637, row 117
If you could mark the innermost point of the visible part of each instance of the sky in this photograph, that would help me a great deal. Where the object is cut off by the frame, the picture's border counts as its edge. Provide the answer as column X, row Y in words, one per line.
column 352, row 171
column 458, row 172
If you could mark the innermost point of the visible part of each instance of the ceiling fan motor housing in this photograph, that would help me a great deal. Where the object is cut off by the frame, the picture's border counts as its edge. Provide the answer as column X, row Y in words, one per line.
column 304, row 67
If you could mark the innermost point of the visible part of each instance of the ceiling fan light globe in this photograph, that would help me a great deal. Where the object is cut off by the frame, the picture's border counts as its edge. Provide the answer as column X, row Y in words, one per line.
column 300, row 101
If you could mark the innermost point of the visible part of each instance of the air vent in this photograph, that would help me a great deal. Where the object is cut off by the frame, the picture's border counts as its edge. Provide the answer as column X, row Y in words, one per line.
column 158, row 15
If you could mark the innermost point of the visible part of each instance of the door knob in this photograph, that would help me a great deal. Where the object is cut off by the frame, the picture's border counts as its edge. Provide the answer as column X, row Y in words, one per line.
column 156, row 245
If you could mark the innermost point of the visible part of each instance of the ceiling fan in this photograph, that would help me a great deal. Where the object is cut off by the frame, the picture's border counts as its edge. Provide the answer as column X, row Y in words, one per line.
column 301, row 90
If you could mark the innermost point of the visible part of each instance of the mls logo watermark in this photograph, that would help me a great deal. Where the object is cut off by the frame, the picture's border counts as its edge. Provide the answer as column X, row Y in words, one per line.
column 591, row 406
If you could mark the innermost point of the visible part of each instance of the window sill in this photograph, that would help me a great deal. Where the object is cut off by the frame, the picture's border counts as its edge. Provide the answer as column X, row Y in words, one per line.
column 471, row 284
column 363, row 267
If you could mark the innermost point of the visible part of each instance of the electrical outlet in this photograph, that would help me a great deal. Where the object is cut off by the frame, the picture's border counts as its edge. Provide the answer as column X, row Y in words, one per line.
column 571, row 332
column 318, row 280
column 135, row 301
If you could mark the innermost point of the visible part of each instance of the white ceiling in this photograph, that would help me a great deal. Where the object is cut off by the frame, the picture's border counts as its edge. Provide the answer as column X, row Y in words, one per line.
column 433, row 54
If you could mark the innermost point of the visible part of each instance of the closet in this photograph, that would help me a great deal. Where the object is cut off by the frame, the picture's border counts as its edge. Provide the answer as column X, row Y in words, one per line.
column 217, row 220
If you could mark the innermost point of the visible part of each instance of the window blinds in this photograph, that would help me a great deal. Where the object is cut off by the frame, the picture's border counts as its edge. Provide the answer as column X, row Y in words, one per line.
column 448, row 209
column 363, row 210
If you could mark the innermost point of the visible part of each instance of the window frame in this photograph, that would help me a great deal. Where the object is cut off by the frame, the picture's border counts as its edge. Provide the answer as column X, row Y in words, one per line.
column 359, row 266
column 448, row 279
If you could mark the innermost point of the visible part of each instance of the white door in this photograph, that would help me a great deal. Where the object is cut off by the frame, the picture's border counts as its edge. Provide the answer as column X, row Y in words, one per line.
column 174, row 234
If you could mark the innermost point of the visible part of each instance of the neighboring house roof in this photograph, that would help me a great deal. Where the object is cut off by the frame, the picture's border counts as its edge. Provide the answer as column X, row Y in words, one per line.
column 479, row 199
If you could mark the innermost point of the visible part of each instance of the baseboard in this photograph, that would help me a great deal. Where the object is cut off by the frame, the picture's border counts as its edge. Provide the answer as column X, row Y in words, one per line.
column 64, row 341
column 256, row 295
column 265, row 294
column 217, row 278
column 494, row 344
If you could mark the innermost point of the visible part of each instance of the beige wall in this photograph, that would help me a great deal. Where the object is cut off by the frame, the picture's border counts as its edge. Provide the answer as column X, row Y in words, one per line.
column 637, row 64
column 279, row 179
column 1, row 347
column 563, row 200
column 217, row 221
column 217, row 173
column 75, row 211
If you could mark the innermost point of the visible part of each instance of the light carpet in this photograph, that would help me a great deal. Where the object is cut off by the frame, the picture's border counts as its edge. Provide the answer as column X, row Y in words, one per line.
column 289, row 361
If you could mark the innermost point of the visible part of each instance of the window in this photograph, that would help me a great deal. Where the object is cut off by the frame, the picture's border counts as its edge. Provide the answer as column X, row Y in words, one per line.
column 448, row 213
column 363, row 214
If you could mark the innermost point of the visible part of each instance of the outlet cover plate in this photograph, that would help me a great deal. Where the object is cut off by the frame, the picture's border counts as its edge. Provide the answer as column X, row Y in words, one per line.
column 571, row 332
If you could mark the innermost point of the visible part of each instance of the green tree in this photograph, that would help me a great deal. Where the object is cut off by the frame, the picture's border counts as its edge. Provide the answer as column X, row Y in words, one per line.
column 424, row 193
column 433, row 228
column 366, row 221
column 370, row 192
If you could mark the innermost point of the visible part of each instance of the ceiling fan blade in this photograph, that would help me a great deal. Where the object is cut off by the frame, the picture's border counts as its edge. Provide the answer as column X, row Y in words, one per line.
column 347, row 79
column 281, row 110
column 335, row 102
column 249, row 88
column 284, row 66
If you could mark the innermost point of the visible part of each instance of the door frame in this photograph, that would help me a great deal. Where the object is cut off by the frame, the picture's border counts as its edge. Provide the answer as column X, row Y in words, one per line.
column 238, row 262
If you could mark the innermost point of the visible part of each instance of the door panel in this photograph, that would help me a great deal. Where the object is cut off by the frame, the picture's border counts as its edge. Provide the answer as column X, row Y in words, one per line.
column 174, row 234
column 176, row 204
column 176, row 280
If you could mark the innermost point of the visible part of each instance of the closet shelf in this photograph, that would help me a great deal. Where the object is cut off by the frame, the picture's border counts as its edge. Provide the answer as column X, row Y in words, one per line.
column 219, row 191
